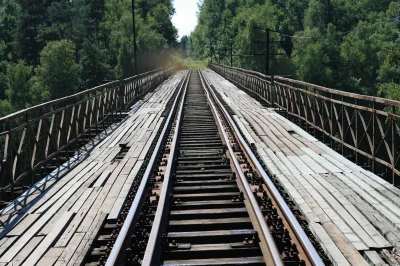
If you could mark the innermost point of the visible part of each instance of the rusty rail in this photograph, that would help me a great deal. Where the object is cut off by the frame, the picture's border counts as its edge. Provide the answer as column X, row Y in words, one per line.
column 30, row 138
column 365, row 128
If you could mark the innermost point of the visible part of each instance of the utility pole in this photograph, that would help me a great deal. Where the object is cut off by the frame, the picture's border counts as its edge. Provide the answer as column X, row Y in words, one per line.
column 135, row 71
column 267, row 63
column 231, row 51
column 268, row 43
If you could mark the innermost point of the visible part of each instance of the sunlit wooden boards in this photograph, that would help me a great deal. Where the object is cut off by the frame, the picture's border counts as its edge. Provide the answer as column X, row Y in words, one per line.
column 58, row 226
column 353, row 213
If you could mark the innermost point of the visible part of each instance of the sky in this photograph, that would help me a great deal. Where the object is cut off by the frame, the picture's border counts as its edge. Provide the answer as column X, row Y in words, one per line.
column 185, row 18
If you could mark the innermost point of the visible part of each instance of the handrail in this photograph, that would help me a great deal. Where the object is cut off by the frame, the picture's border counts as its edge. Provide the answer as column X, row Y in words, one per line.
column 30, row 138
column 366, row 128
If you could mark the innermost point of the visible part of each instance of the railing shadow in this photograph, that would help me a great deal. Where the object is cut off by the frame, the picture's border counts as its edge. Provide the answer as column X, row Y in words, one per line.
column 36, row 141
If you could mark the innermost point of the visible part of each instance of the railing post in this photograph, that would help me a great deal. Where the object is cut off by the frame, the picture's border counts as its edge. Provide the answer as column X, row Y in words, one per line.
column 315, row 113
column 373, row 136
column 356, row 130
column 342, row 136
column 331, row 120
column 272, row 93
column 121, row 96
column 29, row 155
column 393, row 145
column 9, row 145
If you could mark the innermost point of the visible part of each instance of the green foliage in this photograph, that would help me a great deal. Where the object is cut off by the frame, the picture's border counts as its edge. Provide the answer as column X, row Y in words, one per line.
column 58, row 73
column 335, row 44
column 5, row 108
column 390, row 90
column 389, row 58
column 184, row 43
column 94, row 62
column 189, row 63
column 51, row 49
column 19, row 82
column 124, row 66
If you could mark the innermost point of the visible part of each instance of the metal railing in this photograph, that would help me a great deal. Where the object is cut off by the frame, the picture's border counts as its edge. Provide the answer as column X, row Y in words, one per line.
column 31, row 138
column 365, row 128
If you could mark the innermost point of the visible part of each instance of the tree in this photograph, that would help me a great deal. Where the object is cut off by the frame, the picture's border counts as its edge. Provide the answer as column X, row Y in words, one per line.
column 5, row 108
column 19, row 82
column 68, row 20
column 58, row 73
column 3, row 70
column 32, row 18
column 94, row 62
column 311, row 60
column 159, row 20
column 125, row 65
column 314, row 15
column 184, row 45
column 389, row 58
column 8, row 29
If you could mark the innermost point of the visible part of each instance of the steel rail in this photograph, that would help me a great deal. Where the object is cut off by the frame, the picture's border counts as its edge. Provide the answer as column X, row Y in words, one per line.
column 132, row 214
column 162, row 203
column 298, row 230
column 273, row 249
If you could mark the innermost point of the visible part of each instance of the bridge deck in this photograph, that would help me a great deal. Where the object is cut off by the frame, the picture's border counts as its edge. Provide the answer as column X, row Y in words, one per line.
column 58, row 226
column 351, row 211
column 348, row 208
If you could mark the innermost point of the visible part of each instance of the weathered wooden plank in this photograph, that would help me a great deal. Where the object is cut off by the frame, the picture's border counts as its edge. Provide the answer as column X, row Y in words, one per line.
column 346, row 248
column 389, row 258
column 296, row 194
column 49, row 240
column 347, row 211
column 26, row 251
column 321, row 160
column 23, row 225
column 67, row 194
column 312, row 164
column 330, row 211
column 6, row 243
column 117, row 207
column 78, row 218
column 392, row 218
column 85, row 244
column 50, row 224
column 373, row 258
column 243, row 129
column 118, row 138
column 300, row 165
column 333, row 252
column 78, row 204
column 25, row 238
column 51, row 256
column 70, row 249
column 102, row 178
column 55, row 193
column 358, row 217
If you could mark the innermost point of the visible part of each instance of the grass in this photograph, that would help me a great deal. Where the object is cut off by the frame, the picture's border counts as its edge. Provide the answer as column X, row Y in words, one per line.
column 191, row 63
column 195, row 64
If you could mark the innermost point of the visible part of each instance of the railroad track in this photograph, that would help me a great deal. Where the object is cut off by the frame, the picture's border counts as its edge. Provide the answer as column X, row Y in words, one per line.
column 204, row 198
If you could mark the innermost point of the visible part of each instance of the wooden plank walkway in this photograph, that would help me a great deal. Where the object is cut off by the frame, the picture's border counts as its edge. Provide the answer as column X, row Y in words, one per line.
column 57, row 226
column 354, row 214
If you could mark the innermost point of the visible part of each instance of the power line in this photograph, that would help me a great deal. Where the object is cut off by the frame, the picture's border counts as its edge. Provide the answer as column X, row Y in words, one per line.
column 342, row 32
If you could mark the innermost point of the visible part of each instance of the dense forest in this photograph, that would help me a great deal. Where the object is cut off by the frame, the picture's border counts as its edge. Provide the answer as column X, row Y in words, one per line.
column 54, row 48
column 351, row 45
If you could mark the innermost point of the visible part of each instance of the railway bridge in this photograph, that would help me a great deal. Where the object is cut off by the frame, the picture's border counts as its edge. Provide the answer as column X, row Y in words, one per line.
column 221, row 166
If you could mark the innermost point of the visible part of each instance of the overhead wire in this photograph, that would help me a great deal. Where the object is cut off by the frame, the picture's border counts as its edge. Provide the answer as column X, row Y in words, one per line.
column 342, row 32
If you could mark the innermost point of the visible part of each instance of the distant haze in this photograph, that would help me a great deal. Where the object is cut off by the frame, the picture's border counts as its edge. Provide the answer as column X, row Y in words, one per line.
column 185, row 18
